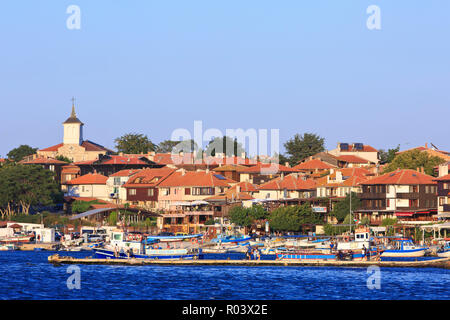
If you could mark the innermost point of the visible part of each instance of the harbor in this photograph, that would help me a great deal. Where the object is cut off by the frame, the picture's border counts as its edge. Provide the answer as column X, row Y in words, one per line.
column 435, row 263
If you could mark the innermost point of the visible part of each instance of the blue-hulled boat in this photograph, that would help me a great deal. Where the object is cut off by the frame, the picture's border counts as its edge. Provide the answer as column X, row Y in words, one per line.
column 230, row 239
column 141, row 248
column 403, row 247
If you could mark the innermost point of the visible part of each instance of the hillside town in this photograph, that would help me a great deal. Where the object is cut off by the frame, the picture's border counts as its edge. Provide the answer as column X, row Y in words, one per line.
column 187, row 194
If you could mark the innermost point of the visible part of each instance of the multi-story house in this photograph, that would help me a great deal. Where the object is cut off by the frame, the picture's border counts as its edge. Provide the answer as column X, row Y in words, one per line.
column 115, row 182
column 90, row 185
column 292, row 186
column 443, row 192
column 142, row 187
column 405, row 194
column 356, row 149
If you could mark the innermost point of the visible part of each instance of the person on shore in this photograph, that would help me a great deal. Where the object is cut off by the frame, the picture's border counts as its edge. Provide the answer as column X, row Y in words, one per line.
column 258, row 254
column 248, row 253
column 364, row 251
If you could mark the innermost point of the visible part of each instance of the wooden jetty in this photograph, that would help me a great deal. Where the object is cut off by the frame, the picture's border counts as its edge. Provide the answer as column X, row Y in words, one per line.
column 436, row 263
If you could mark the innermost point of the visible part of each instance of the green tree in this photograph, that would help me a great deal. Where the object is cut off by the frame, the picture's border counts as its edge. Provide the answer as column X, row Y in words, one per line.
column 113, row 218
column 133, row 143
column 17, row 154
column 387, row 156
column 63, row 158
column 23, row 186
column 414, row 159
column 302, row 146
column 227, row 145
column 240, row 216
column 342, row 208
column 292, row 218
column 170, row 146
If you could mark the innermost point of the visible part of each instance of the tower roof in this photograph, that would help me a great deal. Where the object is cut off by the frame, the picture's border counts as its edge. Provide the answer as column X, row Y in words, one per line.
column 73, row 117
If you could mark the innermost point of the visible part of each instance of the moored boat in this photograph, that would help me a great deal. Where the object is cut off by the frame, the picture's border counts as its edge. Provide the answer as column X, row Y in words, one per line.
column 444, row 251
column 403, row 247
column 121, row 248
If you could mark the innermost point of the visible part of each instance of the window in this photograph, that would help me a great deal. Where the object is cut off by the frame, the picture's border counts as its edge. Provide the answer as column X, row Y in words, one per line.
column 150, row 192
column 202, row 191
column 132, row 192
column 187, row 191
column 116, row 181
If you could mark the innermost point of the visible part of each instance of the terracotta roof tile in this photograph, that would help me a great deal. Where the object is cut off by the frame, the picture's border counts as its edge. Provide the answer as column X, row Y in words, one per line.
column 195, row 179
column 150, row 177
column 312, row 165
column 90, row 178
column 401, row 177
column 352, row 159
column 290, row 182
column 44, row 161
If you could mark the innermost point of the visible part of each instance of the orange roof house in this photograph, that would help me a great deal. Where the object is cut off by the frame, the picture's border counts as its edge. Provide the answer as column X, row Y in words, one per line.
column 88, row 185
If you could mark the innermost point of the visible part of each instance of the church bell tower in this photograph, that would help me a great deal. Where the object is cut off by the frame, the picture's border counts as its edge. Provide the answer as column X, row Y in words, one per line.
column 73, row 128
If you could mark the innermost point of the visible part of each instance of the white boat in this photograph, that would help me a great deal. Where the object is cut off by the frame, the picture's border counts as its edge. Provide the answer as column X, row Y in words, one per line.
column 404, row 248
column 8, row 247
column 444, row 252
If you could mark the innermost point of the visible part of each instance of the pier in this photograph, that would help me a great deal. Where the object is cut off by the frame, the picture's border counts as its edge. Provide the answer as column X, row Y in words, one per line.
column 436, row 263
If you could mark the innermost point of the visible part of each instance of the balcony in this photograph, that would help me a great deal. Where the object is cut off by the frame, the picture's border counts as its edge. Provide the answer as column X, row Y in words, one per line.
column 372, row 195
column 408, row 195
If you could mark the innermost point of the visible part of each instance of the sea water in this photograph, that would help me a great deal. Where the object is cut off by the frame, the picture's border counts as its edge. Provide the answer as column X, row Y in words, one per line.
column 28, row 275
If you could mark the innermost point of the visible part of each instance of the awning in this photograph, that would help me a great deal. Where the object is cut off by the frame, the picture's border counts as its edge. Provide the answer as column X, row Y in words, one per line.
column 91, row 212
column 404, row 214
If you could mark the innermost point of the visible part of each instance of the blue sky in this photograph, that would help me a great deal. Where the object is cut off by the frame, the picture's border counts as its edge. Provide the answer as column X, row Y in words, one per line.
column 299, row 66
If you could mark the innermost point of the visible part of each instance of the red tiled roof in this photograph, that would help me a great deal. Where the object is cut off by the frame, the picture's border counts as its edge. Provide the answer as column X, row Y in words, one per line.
column 123, row 160
column 401, row 177
column 352, row 159
column 86, row 144
column 290, row 182
column 125, row 173
column 443, row 178
column 195, row 179
column 90, row 178
column 230, row 168
column 149, row 177
column 53, row 148
column 43, row 161
column 68, row 169
column 312, row 165
column 245, row 187
column 366, row 148
column 269, row 168
column 2, row 160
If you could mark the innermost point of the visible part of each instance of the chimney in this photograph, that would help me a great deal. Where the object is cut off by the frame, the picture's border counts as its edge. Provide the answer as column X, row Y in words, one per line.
column 243, row 155
column 338, row 176
column 422, row 170
column 443, row 169
column 121, row 154
column 426, row 145
column 286, row 164
column 183, row 171
column 238, row 189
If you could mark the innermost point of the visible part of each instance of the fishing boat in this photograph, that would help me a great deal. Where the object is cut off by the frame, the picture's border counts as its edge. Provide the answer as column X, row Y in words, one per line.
column 345, row 250
column 175, row 238
column 231, row 239
column 444, row 251
column 122, row 248
column 403, row 247
column 18, row 238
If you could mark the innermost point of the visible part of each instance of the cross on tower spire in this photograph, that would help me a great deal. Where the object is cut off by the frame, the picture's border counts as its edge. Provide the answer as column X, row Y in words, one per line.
column 73, row 115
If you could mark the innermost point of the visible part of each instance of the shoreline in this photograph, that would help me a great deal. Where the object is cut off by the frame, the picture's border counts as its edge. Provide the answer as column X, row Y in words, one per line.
column 437, row 263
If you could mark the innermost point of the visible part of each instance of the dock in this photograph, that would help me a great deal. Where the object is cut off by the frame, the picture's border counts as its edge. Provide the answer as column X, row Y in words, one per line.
column 436, row 263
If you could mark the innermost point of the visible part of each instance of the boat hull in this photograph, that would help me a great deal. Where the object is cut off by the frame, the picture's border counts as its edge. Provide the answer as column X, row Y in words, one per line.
column 315, row 256
column 109, row 254
column 445, row 254
column 415, row 253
